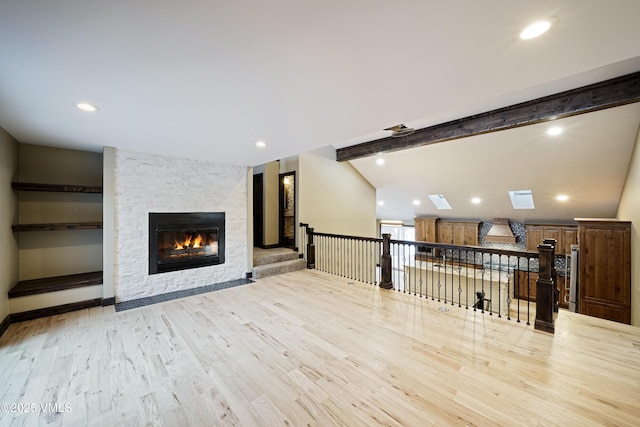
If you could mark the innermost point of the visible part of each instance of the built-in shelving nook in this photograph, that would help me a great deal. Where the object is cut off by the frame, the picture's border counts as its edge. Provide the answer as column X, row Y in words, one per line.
column 59, row 231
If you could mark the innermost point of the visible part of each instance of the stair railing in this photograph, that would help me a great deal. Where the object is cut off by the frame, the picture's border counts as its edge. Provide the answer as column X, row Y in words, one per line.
column 494, row 281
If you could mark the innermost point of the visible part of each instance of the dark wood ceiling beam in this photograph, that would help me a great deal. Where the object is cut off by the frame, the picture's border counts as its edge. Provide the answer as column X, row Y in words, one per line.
column 607, row 94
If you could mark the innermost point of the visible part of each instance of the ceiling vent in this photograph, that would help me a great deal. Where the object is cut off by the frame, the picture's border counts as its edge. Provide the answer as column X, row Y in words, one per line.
column 500, row 232
column 400, row 130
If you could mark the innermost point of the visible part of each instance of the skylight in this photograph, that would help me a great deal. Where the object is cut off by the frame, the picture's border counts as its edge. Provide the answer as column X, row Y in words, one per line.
column 522, row 199
column 439, row 201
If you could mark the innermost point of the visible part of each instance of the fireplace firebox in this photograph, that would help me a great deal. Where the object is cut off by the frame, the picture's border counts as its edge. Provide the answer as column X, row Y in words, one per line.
column 178, row 241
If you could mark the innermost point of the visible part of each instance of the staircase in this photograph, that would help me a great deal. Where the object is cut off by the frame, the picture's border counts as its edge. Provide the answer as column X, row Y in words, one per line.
column 270, row 262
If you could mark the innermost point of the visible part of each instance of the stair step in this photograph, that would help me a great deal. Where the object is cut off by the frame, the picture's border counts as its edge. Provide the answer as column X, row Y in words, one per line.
column 271, row 257
column 278, row 268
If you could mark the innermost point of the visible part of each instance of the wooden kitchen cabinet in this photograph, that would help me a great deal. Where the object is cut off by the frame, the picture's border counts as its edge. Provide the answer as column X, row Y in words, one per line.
column 535, row 236
column 524, row 279
column 445, row 232
column 463, row 233
column 521, row 292
column 563, row 289
column 426, row 229
column 555, row 233
column 605, row 269
column 565, row 236
column 569, row 237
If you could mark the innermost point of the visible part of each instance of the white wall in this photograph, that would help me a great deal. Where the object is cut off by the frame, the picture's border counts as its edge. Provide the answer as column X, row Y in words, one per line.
column 629, row 210
column 58, row 253
column 147, row 183
column 8, row 216
column 271, row 200
column 334, row 197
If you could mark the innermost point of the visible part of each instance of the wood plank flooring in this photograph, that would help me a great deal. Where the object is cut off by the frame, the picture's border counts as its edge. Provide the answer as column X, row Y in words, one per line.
column 307, row 348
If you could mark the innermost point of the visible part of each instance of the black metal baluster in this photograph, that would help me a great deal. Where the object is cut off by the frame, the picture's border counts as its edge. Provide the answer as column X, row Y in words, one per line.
column 491, row 271
column 408, row 277
column 516, row 288
column 418, row 271
column 453, row 280
column 440, row 275
column 475, row 271
column 481, row 300
column 459, row 286
column 508, row 287
column 528, row 293
column 434, row 281
column 404, row 260
column 500, row 284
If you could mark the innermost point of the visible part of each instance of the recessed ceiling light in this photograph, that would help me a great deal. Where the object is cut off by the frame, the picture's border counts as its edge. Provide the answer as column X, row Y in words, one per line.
column 416, row 202
column 554, row 131
column 562, row 197
column 261, row 144
column 536, row 29
column 381, row 203
column 380, row 161
column 476, row 200
column 87, row 107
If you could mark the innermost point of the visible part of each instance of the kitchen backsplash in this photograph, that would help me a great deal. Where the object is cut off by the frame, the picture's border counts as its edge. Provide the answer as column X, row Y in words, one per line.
column 520, row 232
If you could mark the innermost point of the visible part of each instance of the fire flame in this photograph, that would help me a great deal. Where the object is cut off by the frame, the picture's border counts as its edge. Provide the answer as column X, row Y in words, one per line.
column 189, row 243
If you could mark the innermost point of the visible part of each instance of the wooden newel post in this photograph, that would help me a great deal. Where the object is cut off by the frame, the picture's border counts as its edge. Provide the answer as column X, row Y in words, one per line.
column 311, row 249
column 546, row 292
column 554, row 274
column 385, row 263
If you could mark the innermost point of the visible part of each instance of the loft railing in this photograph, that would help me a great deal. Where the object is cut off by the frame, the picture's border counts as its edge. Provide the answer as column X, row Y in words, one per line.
column 355, row 258
column 493, row 281
column 475, row 278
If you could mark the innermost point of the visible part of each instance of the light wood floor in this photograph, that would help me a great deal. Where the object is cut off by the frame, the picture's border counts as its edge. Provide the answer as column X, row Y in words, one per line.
column 307, row 348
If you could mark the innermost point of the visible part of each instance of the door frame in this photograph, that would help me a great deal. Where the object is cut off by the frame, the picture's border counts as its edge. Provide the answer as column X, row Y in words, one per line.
column 281, row 209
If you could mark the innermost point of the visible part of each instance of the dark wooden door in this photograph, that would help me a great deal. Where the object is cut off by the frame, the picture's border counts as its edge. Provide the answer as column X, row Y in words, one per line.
column 258, row 210
column 605, row 269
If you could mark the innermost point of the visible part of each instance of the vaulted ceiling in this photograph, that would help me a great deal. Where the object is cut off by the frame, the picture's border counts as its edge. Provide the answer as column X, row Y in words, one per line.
column 208, row 79
column 587, row 163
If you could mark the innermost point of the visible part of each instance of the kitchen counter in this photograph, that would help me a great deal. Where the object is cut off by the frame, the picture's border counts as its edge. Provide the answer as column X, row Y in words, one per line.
column 460, row 281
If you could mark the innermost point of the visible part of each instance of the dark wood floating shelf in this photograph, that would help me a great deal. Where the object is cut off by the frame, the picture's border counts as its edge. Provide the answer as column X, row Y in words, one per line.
column 59, row 188
column 58, row 226
column 52, row 284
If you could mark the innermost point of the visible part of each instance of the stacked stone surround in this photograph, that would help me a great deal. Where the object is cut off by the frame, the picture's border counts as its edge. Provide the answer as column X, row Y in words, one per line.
column 151, row 183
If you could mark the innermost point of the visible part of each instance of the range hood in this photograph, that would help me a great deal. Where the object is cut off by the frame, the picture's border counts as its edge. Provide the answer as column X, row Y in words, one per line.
column 500, row 232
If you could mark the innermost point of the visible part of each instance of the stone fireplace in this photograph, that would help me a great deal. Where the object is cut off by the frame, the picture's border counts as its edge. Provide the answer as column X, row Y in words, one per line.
column 179, row 241
column 147, row 183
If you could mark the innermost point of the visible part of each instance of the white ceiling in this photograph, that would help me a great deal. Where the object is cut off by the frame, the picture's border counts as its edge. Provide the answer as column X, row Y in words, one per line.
column 207, row 79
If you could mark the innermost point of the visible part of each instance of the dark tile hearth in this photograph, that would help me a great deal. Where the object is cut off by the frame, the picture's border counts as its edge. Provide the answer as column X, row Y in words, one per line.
column 141, row 302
